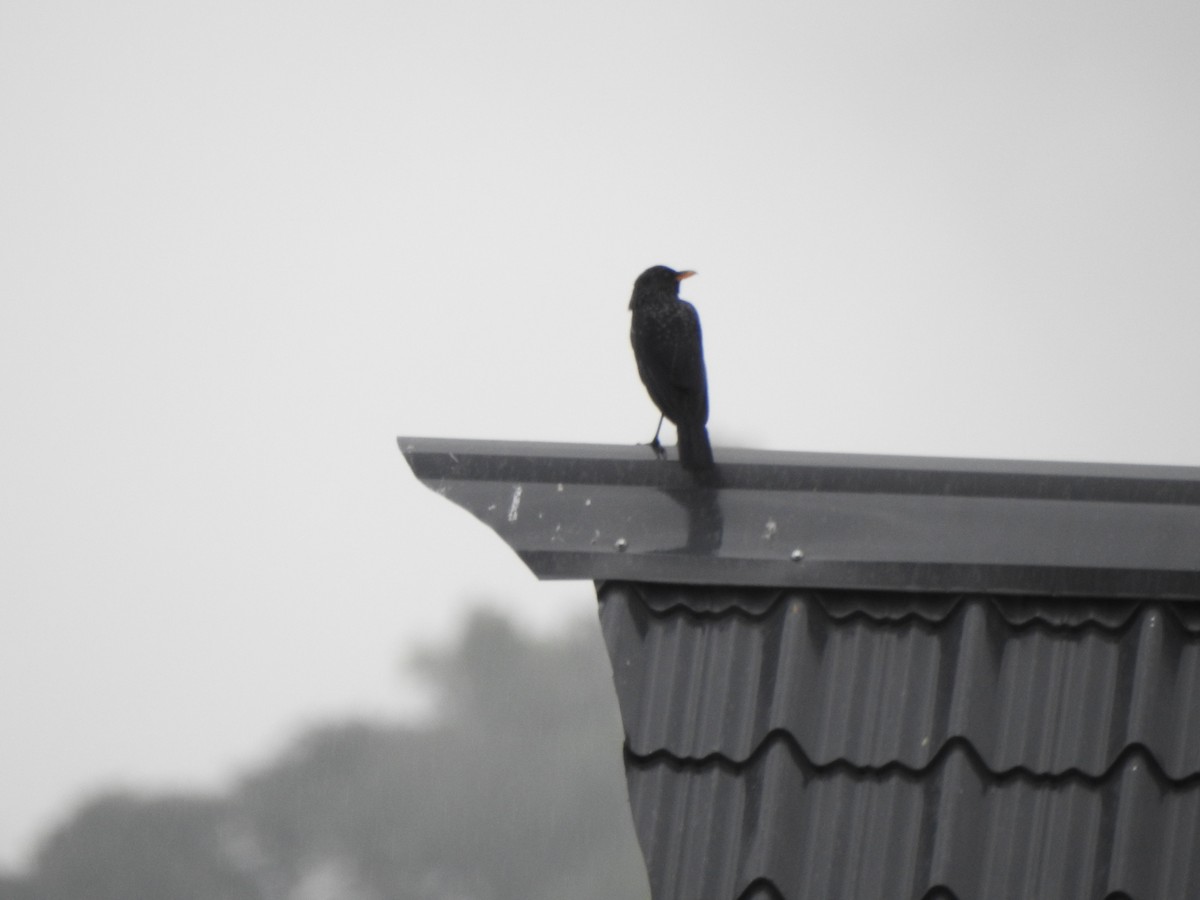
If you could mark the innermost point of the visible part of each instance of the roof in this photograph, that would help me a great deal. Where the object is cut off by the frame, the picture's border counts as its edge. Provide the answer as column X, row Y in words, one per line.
column 796, row 744
column 822, row 520
column 881, row 678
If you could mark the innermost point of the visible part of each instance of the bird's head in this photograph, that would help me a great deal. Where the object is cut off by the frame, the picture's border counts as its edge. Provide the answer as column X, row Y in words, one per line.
column 658, row 281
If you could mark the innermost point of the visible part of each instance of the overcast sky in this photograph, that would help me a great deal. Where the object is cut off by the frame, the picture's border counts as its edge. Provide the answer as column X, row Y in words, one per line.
column 244, row 245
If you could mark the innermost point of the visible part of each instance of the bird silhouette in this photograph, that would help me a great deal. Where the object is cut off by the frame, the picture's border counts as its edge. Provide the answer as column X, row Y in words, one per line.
column 665, row 333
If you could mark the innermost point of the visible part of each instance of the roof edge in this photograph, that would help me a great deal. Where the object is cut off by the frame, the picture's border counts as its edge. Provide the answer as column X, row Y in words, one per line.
column 796, row 519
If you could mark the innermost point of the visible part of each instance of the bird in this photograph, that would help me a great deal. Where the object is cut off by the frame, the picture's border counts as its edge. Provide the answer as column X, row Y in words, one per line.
column 665, row 333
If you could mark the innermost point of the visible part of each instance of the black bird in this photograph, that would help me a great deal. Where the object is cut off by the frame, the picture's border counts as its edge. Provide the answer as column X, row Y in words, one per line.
column 665, row 333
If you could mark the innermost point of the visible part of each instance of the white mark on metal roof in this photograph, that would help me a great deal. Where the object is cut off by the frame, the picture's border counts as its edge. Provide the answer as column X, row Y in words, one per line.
column 491, row 506
column 587, row 502
column 453, row 457
column 560, row 487
column 769, row 531
column 596, row 536
column 516, row 504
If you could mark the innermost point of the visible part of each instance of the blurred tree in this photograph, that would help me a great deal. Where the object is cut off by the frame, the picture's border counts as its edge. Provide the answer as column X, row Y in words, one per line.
column 514, row 792
column 121, row 846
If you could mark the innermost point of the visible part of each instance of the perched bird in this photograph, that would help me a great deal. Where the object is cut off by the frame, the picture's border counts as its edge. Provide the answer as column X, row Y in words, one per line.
column 665, row 333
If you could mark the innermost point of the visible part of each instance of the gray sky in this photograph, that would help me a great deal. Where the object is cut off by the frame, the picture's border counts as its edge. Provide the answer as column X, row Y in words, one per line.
column 244, row 245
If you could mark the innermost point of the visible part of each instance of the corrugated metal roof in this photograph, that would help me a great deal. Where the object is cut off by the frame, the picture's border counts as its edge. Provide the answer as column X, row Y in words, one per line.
column 835, row 745
column 838, row 833
column 830, row 520
column 871, row 687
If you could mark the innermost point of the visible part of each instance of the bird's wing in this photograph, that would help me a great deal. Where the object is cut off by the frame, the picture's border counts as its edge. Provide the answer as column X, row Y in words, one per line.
column 687, row 365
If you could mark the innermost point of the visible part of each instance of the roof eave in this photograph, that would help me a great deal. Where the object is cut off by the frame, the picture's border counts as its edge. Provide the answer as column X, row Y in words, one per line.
column 787, row 519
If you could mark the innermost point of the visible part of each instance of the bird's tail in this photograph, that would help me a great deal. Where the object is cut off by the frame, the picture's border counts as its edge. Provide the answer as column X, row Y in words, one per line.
column 695, row 452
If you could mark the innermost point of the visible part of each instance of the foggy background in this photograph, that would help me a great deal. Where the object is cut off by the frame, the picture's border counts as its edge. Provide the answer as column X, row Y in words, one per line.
column 245, row 245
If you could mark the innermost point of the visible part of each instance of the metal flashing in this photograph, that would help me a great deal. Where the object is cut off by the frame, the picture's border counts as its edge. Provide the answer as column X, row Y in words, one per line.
column 829, row 521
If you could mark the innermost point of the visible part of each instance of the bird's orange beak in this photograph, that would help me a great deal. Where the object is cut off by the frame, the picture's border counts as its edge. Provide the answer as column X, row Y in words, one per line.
column 682, row 275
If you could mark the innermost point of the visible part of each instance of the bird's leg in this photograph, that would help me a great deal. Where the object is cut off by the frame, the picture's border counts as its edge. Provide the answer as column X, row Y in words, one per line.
column 654, row 444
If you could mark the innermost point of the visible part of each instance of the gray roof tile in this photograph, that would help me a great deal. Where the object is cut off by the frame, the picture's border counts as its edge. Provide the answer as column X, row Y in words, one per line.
column 838, row 745
column 872, row 687
column 880, row 834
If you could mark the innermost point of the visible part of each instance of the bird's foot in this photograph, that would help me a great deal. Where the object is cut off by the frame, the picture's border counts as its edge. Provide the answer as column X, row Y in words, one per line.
column 659, row 450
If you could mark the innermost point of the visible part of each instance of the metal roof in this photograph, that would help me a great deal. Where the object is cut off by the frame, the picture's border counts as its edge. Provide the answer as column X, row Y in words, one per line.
column 880, row 678
column 803, row 744
column 934, row 674
column 821, row 520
